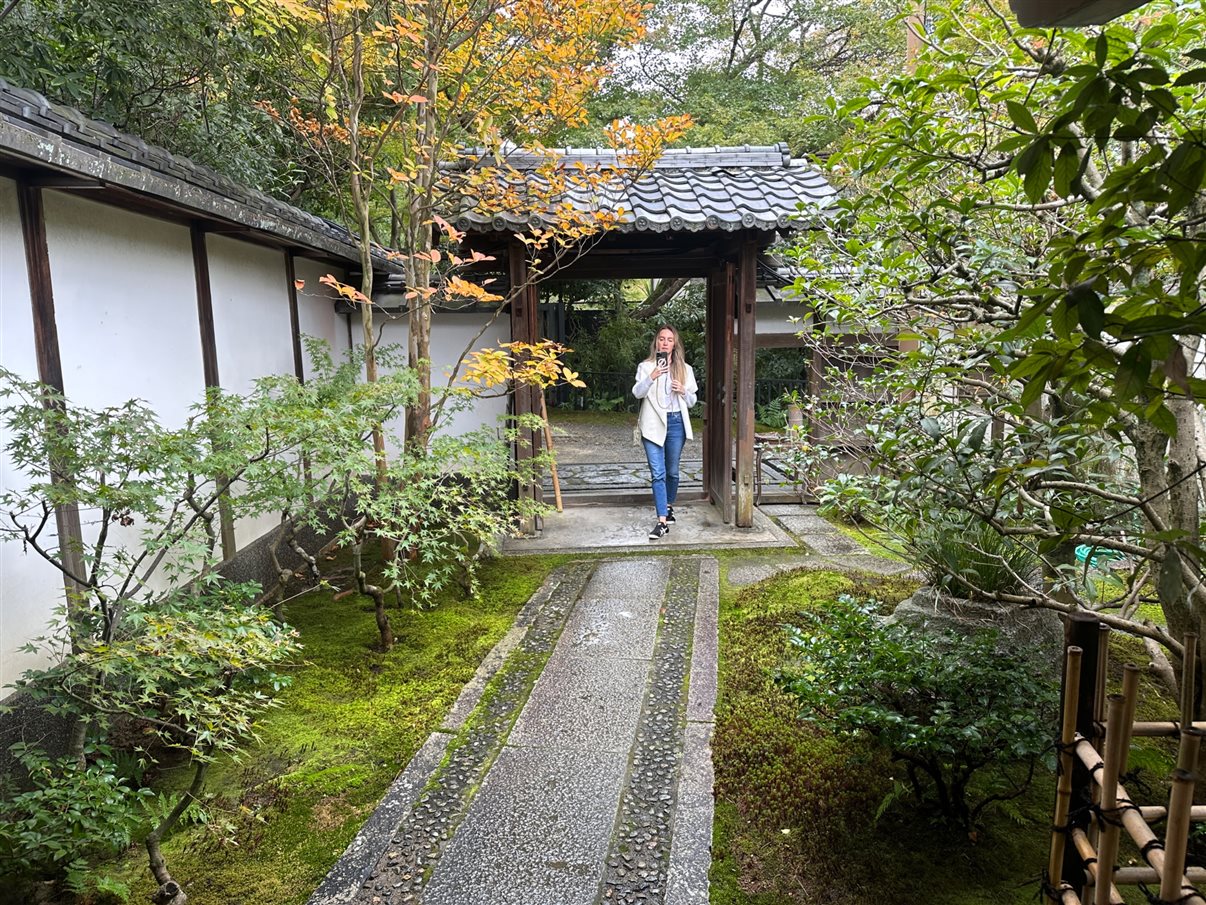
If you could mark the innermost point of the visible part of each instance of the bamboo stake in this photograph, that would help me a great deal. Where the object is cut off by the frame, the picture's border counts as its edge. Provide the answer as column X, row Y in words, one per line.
column 1176, row 834
column 1067, row 735
column 1130, row 692
column 1140, row 832
column 1085, row 849
column 548, row 442
column 1189, row 672
column 1187, row 754
column 1107, row 849
column 1103, row 669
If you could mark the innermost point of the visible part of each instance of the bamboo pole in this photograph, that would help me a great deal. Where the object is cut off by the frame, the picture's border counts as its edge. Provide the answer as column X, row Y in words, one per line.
column 1107, row 848
column 1130, row 876
column 1154, row 813
column 1130, row 694
column 1189, row 672
column 1191, row 744
column 1162, row 728
column 1176, row 834
column 1140, row 832
column 1089, row 856
column 548, row 442
column 1103, row 669
column 1063, row 794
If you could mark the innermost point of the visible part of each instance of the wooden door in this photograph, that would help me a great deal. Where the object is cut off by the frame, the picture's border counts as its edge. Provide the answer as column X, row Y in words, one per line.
column 718, row 399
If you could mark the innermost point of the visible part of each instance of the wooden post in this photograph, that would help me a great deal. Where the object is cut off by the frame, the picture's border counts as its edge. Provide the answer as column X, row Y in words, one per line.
column 50, row 370
column 523, row 329
column 746, row 297
column 209, row 361
column 299, row 364
column 1082, row 630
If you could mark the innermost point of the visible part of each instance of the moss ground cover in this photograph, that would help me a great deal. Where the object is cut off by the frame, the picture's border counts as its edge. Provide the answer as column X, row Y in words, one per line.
column 796, row 807
column 348, row 724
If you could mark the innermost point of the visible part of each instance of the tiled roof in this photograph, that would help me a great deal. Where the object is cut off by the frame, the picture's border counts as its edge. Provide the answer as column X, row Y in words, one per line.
column 33, row 131
column 691, row 189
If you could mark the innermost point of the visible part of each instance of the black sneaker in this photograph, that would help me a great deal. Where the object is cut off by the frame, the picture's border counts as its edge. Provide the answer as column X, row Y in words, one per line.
column 670, row 515
column 660, row 530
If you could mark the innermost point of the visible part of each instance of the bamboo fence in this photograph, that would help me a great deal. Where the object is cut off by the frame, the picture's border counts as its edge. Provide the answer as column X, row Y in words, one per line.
column 1092, row 807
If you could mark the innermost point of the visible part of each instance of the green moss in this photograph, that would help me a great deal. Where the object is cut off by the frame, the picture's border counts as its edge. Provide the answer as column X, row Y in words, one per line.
column 795, row 814
column 350, row 721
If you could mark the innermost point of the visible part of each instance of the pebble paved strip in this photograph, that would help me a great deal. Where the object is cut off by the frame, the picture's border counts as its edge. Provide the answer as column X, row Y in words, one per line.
column 417, row 844
column 638, row 863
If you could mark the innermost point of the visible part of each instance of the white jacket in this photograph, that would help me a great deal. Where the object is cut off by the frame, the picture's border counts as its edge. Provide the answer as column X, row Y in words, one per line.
column 652, row 419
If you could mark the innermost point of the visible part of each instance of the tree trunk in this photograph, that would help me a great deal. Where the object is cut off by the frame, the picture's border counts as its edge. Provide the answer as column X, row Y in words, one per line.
column 169, row 891
column 419, row 267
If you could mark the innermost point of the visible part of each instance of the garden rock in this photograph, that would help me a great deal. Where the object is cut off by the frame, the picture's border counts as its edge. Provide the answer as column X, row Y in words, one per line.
column 1035, row 633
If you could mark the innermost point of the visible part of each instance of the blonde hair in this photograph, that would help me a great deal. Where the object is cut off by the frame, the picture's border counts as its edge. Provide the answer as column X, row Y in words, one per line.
column 678, row 363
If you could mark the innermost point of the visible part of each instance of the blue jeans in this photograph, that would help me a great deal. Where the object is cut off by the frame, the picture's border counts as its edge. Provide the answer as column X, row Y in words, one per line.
column 663, row 463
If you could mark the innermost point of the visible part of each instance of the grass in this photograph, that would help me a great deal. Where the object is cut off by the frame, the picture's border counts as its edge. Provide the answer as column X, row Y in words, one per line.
column 795, row 818
column 350, row 721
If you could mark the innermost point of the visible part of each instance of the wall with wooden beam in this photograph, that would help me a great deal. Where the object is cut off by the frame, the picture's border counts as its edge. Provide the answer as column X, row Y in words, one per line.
column 120, row 290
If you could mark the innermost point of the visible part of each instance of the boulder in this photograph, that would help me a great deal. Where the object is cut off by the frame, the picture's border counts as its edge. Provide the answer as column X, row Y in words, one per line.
column 1036, row 633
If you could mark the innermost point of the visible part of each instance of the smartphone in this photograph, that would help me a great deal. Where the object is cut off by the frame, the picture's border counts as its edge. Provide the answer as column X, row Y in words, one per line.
column 663, row 359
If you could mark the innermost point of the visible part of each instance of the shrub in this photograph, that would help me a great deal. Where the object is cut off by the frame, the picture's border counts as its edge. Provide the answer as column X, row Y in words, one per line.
column 949, row 709
column 969, row 559
column 67, row 814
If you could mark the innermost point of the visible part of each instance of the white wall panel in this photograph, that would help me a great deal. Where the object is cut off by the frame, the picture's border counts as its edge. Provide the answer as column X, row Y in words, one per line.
column 316, row 308
column 126, row 306
column 251, row 312
column 29, row 587
column 451, row 334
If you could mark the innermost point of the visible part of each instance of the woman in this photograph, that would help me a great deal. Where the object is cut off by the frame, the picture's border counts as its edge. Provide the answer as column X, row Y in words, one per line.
column 667, row 385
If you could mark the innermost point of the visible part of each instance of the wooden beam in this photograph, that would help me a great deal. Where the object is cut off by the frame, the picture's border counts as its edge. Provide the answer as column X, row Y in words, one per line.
column 747, row 288
column 209, row 360
column 50, row 369
column 299, row 364
column 205, row 306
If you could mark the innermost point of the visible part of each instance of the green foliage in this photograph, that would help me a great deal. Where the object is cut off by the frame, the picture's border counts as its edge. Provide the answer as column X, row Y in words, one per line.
column 62, row 816
column 752, row 75
column 970, row 559
column 948, row 709
column 350, row 720
column 1013, row 216
column 182, row 74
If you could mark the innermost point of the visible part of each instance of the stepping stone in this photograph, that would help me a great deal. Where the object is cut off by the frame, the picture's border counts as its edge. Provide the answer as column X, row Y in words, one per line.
column 806, row 525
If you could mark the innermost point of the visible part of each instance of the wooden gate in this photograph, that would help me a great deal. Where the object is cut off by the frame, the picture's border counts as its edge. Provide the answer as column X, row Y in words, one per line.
column 718, row 402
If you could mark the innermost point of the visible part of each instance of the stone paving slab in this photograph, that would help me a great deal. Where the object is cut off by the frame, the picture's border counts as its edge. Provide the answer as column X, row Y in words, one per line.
column 584, row 704
column 832, row 543
column 602, row 528
column 614, row 626
column 691, row 848
column 536, row 834
column 806, row 523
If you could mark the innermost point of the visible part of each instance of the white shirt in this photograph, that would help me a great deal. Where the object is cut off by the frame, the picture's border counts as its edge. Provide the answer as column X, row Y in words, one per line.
column 659, row 400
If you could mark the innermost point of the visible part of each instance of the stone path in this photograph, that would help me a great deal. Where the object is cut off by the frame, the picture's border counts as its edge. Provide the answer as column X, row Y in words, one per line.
column 575, row 768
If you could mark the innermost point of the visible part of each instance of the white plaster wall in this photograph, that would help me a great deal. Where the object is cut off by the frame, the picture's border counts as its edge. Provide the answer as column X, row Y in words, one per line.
column 29, row 587
column 126, row 307
column 251, row 330
column 451, row 334
column 316, row 308
column 776, row 316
